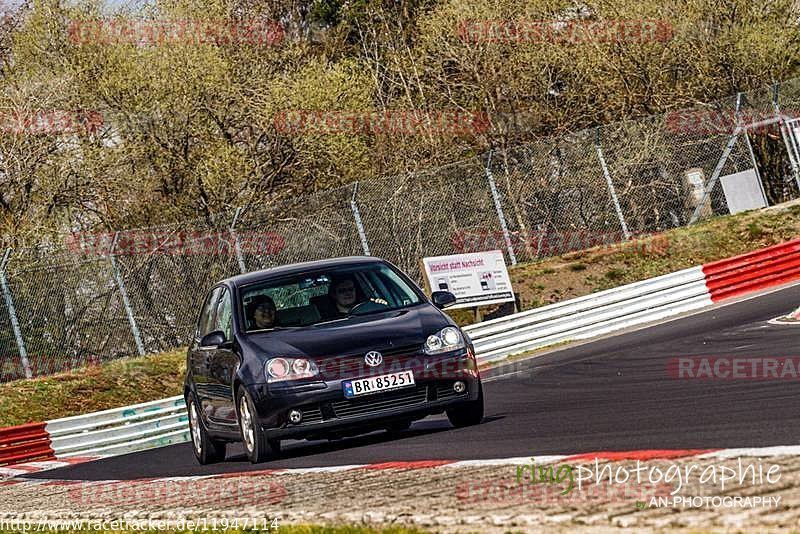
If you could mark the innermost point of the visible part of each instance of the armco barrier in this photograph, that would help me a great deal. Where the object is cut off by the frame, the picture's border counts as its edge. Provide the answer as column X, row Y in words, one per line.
column 164, row 422
column 25, row 443
column 121, row 430
column 753, row 271
column 590, row 315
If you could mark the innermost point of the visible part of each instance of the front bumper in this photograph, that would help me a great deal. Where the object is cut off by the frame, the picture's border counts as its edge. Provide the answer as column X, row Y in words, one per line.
column 327, row 412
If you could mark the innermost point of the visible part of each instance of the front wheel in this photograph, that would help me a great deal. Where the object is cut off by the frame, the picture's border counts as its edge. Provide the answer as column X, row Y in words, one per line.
column 206, row 450
column 256, row 445
column 468, row 414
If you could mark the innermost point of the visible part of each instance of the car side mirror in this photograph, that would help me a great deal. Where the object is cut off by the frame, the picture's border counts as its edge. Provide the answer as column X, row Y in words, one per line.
column 443, row 299
column 213, row 339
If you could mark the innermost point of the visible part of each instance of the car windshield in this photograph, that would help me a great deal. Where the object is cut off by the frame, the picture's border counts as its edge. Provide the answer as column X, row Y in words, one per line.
column 323, row 296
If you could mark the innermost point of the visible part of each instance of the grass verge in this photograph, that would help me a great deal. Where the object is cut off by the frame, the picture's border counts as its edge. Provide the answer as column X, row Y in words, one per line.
column 89, row 389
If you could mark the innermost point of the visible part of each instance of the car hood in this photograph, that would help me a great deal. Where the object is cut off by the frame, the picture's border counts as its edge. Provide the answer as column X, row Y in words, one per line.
column 386, row 332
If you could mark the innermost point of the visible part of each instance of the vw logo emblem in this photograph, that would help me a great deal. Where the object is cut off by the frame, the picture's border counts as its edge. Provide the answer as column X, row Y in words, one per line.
column 373, row 358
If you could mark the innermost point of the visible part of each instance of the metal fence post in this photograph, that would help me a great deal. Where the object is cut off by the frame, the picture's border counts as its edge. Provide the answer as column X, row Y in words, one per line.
column 236, row 246
column 611, row 190
column 793, row 156
column 720, row 164
column 12, row 313
column 128, row 310
column 752, row 155
column 499, row 209
column 362, row 234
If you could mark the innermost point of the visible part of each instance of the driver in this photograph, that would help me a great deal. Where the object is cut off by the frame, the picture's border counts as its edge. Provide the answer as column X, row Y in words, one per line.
column 343, row 294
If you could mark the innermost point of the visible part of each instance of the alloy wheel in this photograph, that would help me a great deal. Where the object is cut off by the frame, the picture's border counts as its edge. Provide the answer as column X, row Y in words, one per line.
column 194, row 423
column 248, row 433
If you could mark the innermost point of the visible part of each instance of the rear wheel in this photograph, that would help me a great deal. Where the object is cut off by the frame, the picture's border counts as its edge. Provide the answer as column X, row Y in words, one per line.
column 469, row 413
column 256, row 445
column 206, row 450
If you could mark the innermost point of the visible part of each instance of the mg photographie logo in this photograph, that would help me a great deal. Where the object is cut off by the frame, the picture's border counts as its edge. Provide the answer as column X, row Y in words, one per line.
column 140, row 32
column 565, row 31
column 412, row 122
column 734, row 368
column 50, row 122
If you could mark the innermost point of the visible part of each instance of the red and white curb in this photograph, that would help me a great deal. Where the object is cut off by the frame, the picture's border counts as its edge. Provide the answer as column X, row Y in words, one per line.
column 28, row 468
column 604, row 456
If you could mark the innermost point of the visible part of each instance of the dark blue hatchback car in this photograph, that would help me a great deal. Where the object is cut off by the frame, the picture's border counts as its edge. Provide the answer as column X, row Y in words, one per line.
column 323, row 349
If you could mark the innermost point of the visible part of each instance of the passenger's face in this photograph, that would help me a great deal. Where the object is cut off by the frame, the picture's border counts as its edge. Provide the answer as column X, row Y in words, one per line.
column 345, row 293
column 264, row 316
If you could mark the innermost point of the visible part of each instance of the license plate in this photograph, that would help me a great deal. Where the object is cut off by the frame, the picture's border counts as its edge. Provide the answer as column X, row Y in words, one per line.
column 377, row 384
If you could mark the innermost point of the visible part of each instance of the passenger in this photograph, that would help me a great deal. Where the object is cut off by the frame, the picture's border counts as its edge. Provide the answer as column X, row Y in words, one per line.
column 261, row 311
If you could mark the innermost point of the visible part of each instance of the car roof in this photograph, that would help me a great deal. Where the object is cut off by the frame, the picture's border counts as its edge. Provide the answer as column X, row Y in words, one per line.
column 297, row 268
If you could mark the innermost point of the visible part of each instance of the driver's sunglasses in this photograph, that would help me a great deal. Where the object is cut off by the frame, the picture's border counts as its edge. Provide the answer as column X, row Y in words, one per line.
column 265, row 309
column 345, row 289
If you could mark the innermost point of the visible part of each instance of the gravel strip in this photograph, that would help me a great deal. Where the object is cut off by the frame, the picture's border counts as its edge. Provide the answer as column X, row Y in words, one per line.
column 450, row 499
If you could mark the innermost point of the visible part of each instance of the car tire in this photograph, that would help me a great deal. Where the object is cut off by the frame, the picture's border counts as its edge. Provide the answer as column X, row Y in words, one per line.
column 469, row 413
column 257, row 447
column 206, row 449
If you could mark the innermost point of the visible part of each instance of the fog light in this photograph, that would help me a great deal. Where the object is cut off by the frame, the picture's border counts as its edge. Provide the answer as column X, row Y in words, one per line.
column 459, row 387
column 295, row 416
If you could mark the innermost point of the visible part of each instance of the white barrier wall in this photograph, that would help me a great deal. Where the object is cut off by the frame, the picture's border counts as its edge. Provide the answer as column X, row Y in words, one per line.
column 121, row 430
column 591, row 315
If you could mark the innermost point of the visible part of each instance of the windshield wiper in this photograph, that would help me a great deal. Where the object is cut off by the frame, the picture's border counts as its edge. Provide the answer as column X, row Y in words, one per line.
column 261, row 330
column 333, row 320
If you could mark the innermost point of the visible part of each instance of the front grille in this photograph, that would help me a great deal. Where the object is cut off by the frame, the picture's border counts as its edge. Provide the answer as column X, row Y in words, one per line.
column 311, row 415
column 445, row 391
column 381, row 402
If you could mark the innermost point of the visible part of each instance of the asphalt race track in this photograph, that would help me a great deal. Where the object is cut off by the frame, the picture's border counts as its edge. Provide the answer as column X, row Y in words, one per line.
column 611, row 394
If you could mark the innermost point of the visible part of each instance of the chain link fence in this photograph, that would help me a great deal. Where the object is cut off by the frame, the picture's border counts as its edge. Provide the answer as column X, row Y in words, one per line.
column 109, row 295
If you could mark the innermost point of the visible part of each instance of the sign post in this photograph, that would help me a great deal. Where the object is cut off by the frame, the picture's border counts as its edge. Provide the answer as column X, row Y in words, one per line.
column 476, row 279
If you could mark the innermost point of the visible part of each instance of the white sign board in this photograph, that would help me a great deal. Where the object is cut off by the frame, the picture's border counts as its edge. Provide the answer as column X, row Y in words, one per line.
column 475, row 279
column 743, row 191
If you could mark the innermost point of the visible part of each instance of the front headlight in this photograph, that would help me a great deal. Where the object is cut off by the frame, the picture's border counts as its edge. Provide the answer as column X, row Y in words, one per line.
column 446, row 340
column 281, row 369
